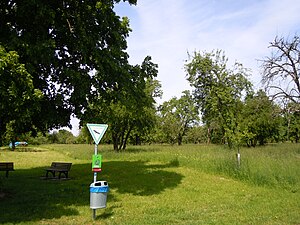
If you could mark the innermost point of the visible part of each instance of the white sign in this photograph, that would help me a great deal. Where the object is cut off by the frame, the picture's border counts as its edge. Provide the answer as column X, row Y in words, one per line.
column 97, row 131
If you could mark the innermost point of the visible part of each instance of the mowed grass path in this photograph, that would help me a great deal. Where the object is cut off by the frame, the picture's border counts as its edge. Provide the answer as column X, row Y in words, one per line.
column 190, row 184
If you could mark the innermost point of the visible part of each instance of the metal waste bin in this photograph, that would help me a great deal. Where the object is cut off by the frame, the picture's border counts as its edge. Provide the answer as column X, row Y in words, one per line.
column 98, row 194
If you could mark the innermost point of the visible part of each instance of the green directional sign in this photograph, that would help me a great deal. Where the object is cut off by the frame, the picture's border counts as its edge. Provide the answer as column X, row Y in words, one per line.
column 97, row 131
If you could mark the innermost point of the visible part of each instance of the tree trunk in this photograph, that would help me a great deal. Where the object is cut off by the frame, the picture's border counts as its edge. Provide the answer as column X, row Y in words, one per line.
column 115, row 141
column 179, row 139
column 137, row 140
column 208, row 135
column 126, row 137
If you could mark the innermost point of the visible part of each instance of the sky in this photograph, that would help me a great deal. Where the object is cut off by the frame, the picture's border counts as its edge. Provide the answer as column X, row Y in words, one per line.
column 167, row 30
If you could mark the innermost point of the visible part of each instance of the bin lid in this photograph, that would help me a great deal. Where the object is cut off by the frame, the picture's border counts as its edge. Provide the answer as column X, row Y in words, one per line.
column 99, row 184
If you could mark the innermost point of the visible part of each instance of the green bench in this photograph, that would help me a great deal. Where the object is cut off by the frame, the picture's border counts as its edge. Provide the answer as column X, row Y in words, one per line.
column 7, row 166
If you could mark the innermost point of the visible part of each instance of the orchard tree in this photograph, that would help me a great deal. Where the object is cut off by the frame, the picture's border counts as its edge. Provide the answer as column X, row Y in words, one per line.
column 261, row 120
column 143, row 131
column 61, row 44
column 196, row 134
column 218, row 91
column 18, row 98
column 177, row 116
column 281, row 70
column 291, row 112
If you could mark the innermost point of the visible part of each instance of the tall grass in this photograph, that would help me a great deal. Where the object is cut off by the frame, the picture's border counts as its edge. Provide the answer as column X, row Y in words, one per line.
column 272, row 165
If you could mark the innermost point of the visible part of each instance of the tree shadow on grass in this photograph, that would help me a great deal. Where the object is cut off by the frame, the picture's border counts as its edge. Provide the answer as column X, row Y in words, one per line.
column 140, row 178
column 31, row 199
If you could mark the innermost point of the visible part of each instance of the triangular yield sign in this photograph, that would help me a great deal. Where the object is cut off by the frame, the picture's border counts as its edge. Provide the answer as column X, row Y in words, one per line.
column 97, row 131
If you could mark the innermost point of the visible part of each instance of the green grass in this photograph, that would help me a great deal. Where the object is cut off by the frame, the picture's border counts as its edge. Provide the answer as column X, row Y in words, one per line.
column 159, row 184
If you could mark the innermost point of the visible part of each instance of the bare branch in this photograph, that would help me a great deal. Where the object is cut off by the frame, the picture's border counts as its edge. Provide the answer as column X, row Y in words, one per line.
column 281, row 69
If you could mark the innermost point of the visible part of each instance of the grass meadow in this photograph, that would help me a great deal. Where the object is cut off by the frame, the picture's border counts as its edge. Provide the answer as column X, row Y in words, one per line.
column 156, row 184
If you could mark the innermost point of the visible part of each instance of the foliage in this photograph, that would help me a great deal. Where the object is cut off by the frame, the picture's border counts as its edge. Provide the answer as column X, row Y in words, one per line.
column 19, row 99
column 261, row 120
column 196, row 135
column 62, row 137
column 177, row 115
column 60, row 44
column 133, row 110
column 281, row 69
column 37, row 139
column 84, row 136
column 291, row 114
column 218, row 91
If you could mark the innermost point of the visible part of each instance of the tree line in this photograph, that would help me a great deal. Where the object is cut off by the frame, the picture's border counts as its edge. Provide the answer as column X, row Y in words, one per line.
column 69, row 58
column 223, row 108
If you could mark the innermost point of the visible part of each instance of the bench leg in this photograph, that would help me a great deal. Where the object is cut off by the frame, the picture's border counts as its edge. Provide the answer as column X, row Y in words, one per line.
column 53, row 173
column 6, row 174
column 65, row 173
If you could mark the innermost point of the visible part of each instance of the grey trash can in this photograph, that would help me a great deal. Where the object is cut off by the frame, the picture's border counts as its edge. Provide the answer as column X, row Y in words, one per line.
column 98, row 194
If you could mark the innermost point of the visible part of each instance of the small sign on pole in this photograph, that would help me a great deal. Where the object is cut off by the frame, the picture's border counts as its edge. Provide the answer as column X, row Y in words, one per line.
column 97, row 131
column 96, row 164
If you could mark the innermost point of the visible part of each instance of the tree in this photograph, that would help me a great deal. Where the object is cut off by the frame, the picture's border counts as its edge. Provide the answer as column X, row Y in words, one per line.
column 218, row 91
column 142, row 131
column 261, row 119
column 177, row 116
column 62, row 137
column 281, row 70
column 196, row 135
column 291, row 112
column 19, row 98
column 130, row 109
column 84, row 136
column 60, row 44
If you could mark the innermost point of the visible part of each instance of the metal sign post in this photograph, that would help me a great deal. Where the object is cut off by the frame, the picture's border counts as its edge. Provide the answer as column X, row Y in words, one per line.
column 98, row 193
column 96, row 152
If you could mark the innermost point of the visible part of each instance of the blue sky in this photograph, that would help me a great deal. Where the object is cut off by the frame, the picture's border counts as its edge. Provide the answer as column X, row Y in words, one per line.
column 168, row 29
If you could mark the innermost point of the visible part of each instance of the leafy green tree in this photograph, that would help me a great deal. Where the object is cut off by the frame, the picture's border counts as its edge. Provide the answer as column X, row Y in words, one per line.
column 64, row 137
column 177, row 116
column 261, row 119
column 157, row 135
column 218, row 91
column 196, row 135
column 39, row 138
column 84, row 136
column 291, row 114
column 19, row 98
column 60, row 44
column 142, row 132
column 130, row 109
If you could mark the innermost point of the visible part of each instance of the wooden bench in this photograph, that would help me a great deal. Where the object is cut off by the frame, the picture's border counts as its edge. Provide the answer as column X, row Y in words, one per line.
column 60, row 167
column 7, row 166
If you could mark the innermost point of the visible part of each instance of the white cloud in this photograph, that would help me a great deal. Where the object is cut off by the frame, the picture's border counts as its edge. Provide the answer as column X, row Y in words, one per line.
column 167, row 29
